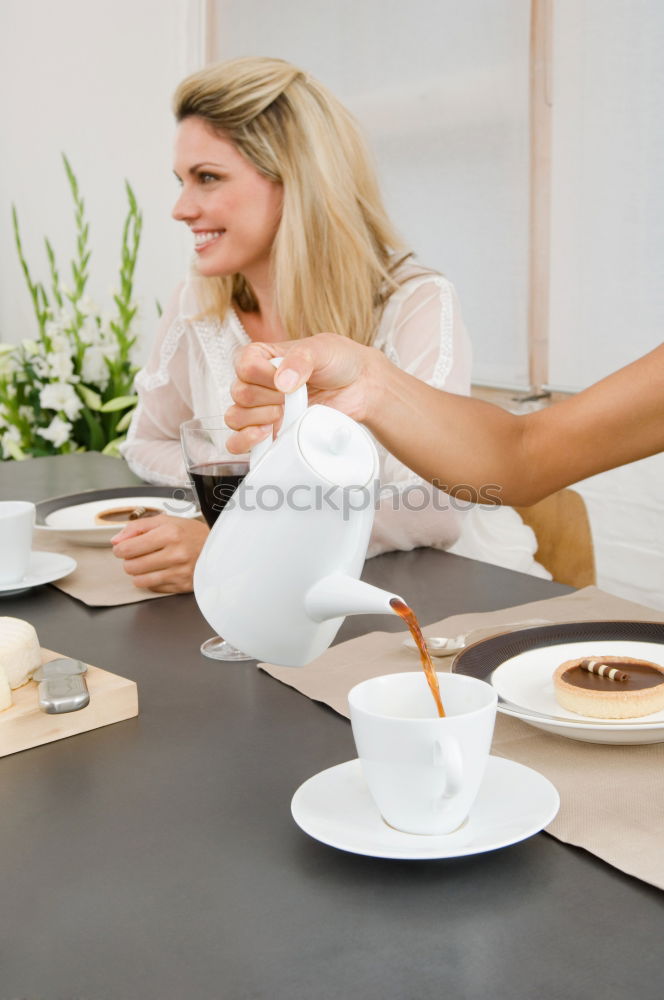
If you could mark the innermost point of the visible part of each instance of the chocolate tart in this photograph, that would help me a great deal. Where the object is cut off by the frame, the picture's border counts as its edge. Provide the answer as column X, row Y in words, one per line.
column 585, row 693
column 125, row 515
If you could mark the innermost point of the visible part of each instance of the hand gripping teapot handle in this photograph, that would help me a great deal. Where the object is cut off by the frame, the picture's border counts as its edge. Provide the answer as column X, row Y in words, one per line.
column 295, row 404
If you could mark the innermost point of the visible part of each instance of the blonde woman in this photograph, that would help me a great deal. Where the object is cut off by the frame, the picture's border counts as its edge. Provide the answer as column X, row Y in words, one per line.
column 290, row 239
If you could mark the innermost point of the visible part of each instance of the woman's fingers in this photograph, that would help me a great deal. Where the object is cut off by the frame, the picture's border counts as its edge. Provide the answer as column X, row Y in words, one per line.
column 243, row 441
column 253, row 364
column 134, row 528
column 164, row 582
column 248, row 394
column 162, row 556
column 295, row 369
column 327, row 360
column 333, row 366
column 138, row 537
column 239, row 417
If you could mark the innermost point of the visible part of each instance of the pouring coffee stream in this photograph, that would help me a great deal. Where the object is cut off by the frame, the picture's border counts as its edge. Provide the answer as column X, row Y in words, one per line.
column 280, row 568
column 408, row 615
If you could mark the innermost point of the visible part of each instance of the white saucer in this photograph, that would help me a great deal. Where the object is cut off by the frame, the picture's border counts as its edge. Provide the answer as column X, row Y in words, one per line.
column 45, row 567
column 336, row 808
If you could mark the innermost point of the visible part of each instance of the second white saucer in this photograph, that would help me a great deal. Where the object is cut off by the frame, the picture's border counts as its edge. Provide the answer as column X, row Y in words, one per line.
column 335, row 807
column 45, row 567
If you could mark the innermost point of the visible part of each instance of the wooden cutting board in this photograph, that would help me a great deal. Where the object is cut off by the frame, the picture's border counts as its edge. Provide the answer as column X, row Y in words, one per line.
column 24, row 725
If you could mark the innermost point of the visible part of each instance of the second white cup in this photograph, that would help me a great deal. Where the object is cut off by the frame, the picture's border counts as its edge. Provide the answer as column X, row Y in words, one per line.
column 423, row 772
column 16, row 520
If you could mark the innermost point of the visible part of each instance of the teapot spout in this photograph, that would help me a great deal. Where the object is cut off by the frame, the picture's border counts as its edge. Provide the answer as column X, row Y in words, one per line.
column 336, row 596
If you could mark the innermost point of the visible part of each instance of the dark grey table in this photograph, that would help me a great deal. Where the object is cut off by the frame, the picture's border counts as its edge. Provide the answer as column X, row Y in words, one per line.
column 156, row 859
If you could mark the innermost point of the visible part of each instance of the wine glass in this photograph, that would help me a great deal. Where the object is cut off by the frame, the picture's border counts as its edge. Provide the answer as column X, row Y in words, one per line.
column 215, row 475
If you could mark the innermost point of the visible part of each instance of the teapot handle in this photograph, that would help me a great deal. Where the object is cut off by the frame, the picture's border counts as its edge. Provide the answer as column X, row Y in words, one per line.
column 295, row 404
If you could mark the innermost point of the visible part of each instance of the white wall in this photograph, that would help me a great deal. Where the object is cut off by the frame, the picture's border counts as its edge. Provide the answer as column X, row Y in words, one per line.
column 607, row 253
column 441, row 90
column 92, row 79
column 626, row 509
column 607, row 231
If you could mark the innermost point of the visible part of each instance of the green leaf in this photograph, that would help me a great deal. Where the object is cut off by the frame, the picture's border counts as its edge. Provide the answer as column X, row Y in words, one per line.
column 124, row 421
column 96, row 431
column 113, row 447
column 119, row 403
column 91, row 398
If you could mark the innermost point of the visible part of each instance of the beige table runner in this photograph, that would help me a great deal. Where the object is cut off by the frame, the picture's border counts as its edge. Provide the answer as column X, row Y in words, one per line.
column 612, row 797
column 99, row 579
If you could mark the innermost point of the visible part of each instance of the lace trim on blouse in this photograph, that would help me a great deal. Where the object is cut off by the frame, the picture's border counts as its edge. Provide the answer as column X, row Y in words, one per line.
column 445, row 359
column 154, row 380
column 219, row 342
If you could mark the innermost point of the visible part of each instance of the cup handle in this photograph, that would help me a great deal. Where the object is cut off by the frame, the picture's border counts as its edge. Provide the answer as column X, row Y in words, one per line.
column 295, row 404
column 448, row 756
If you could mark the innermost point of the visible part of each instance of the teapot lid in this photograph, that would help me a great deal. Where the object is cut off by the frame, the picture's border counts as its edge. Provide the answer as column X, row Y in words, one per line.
column 336, row 447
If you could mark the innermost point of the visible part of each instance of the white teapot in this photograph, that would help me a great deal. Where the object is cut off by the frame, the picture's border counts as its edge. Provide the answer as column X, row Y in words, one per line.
column 280, row 568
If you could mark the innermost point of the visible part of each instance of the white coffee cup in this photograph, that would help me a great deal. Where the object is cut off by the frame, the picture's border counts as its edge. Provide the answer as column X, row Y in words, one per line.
column 16, row 520
column 423, row 771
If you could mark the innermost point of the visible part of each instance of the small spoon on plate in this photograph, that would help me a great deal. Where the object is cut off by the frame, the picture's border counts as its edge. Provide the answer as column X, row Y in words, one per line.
column 447, row 645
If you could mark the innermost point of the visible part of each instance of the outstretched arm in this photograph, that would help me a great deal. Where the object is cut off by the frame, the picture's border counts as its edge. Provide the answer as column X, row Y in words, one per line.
column 453, row 441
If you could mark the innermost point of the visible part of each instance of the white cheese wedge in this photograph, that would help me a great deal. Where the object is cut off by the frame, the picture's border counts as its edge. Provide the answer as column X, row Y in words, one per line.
column 19, row 650
column 5, row 691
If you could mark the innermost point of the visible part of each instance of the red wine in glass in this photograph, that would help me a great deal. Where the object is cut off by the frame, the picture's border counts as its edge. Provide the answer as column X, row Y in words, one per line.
column 215, row 483
column 215, row 476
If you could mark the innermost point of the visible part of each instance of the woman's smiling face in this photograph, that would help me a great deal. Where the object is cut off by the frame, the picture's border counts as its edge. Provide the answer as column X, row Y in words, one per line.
column 232, row 210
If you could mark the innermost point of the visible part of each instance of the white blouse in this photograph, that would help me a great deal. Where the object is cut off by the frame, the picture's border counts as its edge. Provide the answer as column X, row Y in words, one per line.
column 190, row 372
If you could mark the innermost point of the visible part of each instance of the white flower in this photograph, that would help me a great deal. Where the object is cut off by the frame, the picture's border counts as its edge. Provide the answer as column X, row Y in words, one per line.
column 40, row 366
column 89, row 332
column 60, row 343
column 11, row 435
column 86, row 306
column 54, row 329
column 7, row 363
column 57, row 431
column 61, row 365
column 94, row 369
column 110, row 345
column 105, row 319
column 62, row 397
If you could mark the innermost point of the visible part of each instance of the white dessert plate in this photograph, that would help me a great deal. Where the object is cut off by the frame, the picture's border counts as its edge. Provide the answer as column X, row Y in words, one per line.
column 45, row 567
column 335, row 807
column 521, row 668
column 72, row 517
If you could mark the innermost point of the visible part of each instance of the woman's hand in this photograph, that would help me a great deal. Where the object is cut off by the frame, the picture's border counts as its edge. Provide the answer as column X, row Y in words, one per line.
column 339, row 373
column 160, row 552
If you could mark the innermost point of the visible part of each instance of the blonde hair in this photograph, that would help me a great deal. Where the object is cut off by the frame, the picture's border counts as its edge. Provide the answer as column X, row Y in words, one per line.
column 335, row 252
